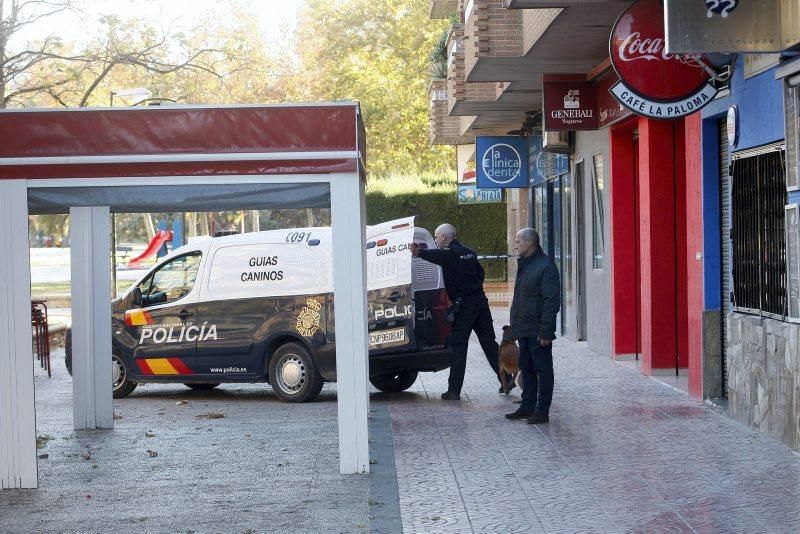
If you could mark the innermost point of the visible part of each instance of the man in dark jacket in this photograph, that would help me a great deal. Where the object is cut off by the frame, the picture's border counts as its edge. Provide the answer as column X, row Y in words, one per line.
column 536, row 301
column 463, row 280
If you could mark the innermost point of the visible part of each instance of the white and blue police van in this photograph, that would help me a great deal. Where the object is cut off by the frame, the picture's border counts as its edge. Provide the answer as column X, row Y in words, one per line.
column 258, row 307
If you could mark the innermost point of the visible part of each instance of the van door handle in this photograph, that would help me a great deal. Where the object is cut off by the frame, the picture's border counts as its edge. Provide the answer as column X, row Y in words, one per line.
column 185, row 314
column 395, row 296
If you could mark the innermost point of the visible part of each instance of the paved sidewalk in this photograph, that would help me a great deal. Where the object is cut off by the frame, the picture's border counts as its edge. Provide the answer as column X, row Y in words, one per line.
column 233, row 459
column 622, row 453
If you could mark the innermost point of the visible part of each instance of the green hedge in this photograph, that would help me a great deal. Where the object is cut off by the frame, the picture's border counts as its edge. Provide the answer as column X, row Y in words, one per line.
column 480, row 227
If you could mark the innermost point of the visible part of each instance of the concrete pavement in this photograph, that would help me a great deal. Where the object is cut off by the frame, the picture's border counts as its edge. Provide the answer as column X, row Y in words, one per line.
column 622, row 453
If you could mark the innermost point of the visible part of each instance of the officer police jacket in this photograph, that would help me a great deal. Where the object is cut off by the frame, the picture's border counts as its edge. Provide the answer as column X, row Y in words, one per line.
column 463, row 273
column 537, row 297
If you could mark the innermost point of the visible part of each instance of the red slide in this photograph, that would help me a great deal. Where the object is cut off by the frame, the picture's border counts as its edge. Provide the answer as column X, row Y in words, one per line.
column 155, row 245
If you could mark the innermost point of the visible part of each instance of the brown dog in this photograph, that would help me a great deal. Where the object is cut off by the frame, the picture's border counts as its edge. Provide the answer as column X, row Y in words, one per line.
column 508, row 359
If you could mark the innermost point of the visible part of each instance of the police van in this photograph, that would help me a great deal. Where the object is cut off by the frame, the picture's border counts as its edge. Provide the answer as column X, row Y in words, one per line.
column 258, row 307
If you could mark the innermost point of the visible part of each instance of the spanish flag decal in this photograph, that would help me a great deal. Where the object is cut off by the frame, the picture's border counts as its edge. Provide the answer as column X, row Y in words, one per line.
column 137, row 318
column 163, row 366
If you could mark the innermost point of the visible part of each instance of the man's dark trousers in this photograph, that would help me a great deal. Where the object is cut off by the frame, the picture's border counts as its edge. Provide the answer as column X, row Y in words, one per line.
column 536, row 366
column 473, row 315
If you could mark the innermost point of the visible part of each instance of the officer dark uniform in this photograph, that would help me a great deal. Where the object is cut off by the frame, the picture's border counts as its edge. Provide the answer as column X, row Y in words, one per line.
column 463, row 280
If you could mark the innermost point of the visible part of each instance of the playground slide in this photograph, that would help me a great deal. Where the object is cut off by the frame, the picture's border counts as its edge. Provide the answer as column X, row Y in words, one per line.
column 155, row 245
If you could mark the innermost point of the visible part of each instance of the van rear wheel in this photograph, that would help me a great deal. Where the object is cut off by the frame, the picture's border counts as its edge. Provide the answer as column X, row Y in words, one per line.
column 293, row 374
column 395, row 382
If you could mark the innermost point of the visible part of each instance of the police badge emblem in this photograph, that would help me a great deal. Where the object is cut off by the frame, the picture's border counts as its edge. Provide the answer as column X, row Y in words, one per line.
column 309, row 318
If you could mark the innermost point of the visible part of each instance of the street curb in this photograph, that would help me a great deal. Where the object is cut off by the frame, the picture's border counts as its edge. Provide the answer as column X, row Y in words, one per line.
column 384, row 493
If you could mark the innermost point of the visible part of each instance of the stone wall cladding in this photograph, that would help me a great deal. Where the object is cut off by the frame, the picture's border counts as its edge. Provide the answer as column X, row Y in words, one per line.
column 492, row 30
column 534, row 23
column 763, row 371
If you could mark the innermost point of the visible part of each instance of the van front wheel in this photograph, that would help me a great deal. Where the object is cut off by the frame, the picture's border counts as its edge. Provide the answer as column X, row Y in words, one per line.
column 293, row 374
column 395, row 382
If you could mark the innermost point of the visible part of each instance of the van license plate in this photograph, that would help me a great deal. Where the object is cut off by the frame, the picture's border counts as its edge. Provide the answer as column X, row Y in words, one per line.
column 384, row 337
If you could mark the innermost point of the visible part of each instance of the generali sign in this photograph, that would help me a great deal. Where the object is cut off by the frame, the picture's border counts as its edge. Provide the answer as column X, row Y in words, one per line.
column 569, row 105
column 652, row 82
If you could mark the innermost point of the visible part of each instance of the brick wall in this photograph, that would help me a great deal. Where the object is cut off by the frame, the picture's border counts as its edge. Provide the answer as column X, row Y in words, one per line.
column 457, row 89
column 444, row 129
column 492, row 30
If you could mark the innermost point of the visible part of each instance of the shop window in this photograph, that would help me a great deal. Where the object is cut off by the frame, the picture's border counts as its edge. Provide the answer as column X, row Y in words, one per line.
column 758, row 235
column 598, row 233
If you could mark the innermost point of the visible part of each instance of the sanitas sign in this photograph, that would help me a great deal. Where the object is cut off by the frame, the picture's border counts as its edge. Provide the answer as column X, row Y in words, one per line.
column 653, row 83
column 502, row 162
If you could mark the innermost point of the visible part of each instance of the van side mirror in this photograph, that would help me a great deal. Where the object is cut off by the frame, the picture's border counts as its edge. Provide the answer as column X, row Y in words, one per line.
column 137, row 297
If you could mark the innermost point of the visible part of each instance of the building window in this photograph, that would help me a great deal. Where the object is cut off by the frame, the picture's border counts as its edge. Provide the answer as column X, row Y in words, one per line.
column 598, row 234
column 758, row 234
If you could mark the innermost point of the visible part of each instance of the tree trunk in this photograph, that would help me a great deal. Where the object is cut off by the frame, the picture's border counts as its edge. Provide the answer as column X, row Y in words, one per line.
column 191, row 224
column 148, row 224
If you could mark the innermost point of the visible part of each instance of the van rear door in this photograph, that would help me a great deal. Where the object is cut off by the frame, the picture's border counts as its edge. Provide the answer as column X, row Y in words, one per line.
column 430, row 299
column 390, row 298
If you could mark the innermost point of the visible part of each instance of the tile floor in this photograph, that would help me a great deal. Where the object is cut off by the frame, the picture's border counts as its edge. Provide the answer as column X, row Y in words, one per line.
column 622, row 453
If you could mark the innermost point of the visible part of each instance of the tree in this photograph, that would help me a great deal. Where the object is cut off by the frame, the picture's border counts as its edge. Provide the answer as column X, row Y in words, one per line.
column 35, row 67
column 379, row 54
column 178, row 64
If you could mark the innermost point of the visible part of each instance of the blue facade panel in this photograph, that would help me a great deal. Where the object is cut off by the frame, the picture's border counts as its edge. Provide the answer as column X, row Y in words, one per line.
column 761, row 121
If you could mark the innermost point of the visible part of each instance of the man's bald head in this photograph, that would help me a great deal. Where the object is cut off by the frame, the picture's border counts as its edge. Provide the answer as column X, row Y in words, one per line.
column 444, row 235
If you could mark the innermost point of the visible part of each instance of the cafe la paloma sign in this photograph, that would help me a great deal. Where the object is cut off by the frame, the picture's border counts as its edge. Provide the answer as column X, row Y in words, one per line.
column 653, row 83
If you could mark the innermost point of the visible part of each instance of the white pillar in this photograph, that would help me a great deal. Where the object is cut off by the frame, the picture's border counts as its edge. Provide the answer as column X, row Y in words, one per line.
column 350, row 298
column 90, row 243
column 17, row 409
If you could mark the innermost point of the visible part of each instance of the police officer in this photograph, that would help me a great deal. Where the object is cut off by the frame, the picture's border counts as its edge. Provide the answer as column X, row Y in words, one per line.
column 463, row 279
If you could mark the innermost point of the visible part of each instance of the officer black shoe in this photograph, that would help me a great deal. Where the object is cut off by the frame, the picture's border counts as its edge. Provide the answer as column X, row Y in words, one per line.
column 538, row 418
column 449, row 395
column 519, row 414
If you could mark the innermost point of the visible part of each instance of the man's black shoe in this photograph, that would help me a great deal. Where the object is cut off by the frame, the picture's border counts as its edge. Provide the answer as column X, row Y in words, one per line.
column 449, row 395
column 519, row 414
column 538, row 418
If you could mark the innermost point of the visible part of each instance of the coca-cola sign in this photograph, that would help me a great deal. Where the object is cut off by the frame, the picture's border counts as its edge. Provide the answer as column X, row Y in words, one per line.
column 653, row 82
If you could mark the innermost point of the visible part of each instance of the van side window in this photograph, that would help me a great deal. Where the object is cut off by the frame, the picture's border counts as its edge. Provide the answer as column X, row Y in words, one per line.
column 172, row 281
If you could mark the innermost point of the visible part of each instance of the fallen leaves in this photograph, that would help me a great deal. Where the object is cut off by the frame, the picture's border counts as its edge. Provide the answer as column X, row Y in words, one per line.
column 42, row 440
column 211, row 415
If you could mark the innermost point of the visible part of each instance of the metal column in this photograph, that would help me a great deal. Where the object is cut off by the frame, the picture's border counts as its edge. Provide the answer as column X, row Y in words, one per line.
column 90, row 242
column 17, row 409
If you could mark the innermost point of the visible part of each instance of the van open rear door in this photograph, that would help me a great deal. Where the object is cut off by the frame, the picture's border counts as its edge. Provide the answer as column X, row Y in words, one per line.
column 389, row 293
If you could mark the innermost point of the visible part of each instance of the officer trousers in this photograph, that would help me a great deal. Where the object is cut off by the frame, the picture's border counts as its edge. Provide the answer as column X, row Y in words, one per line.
column 536, row 366
column 474, row 315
